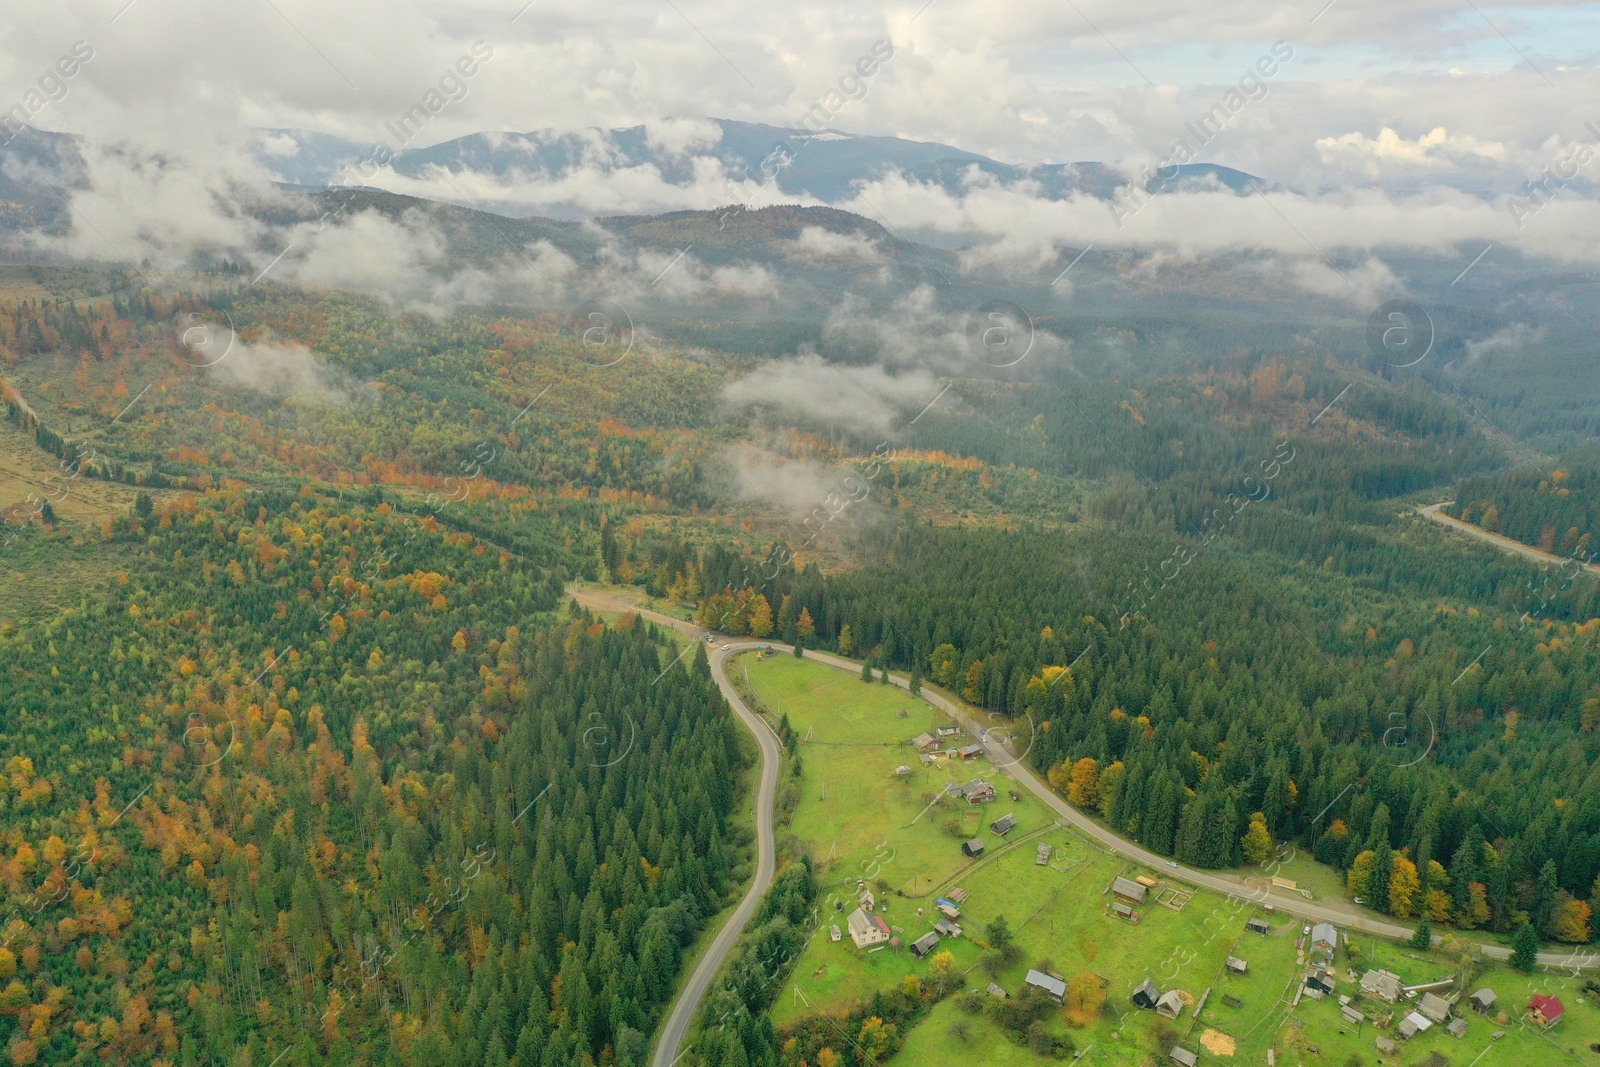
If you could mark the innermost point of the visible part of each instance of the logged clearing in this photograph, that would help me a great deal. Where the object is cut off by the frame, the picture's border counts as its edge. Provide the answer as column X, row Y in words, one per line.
column 27, row 470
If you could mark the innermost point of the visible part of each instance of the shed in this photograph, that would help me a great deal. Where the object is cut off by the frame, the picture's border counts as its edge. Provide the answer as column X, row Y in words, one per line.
column 1546, row 1011
column 1482, row 1001
column 948, row 910
column 1146, row 995
column 949, row 731
column 947, row 928
column 1386, row 1046
column 867, row 901
column 1129, row 890
column 1351, row 1015
column 969, row 752
column 1457, row 1027
column 1258, row 926
column 834, row 933
column 924, row 742
column 957, row 894
column 1437, row 1009
column 1170, row 1004
column 901, row 771
column 1004, row 824
column 1054, row 987
column 1042, row 857
column 974, row 847
column 1385, row 985
column 1412, row 1025
column 1122, row 911
column 1320, row 980
column 996, row 991
column 1236, row 965
column 1183, row 1056
column 924, row 944
column 1324, row 936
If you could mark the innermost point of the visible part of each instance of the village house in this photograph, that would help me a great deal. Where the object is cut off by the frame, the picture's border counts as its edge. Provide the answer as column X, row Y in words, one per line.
column 1412, row 1025
column 1385, row 985
column 1129, row 890
column 1324, row 938
column 867, row 930
column 1435, row 1008
column 1053, row 987
column 979, row 791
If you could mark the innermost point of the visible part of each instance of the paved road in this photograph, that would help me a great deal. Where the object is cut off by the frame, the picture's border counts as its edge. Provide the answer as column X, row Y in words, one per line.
column 1001, row 754
column 1537, row 555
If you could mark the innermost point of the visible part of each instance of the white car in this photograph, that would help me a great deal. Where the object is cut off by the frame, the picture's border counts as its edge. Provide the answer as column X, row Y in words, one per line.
column 1173, row 864
column 726, row 647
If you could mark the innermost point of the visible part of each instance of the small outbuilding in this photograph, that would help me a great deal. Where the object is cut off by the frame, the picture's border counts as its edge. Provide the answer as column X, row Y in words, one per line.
column 834, row 933
column 1170, row 1004
column 973, row 848
column 924, row 944
column 1351, row 1015
column 1482, row 1001
column 924, row 742
column 1258, row 926
column 1054, row 988
column 1412, row 1025
column 1042, row 856
column 1457, row 1027
column 1122, row 911
column 996, row 991
column 1003, row 825
column 1386, row 1046
column 1545, row 1011
column 969, row 752
column 946, row 928
column 1183, row 1057
column 1146, row 995
column 1236, row 965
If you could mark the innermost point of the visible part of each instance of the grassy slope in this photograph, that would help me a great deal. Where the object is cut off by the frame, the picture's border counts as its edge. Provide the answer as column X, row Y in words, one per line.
column 866, row 826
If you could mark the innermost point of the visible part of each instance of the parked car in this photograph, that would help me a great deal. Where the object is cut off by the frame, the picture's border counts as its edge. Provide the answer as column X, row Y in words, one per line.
column 726, row 647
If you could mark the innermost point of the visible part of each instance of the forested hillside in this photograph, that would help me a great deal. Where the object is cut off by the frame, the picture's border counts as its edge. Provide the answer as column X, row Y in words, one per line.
column 332, row 782
column 1557, row 510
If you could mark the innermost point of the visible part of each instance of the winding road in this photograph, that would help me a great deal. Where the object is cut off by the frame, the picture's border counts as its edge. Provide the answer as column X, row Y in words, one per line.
column 1001, row 754
column 1536, row 554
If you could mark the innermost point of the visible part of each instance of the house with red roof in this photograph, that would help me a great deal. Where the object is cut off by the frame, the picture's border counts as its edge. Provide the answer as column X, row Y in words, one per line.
column 1546, row 1011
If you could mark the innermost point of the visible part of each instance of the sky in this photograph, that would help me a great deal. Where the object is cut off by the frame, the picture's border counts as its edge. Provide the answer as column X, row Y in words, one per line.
column 1376, row 114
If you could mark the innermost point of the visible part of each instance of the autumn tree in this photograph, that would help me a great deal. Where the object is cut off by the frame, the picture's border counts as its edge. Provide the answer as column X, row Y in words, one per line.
column 1257, row 841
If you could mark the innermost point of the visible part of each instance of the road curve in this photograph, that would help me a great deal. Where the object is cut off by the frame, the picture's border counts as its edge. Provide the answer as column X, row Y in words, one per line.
column 683, row 1010
column 1508, row 544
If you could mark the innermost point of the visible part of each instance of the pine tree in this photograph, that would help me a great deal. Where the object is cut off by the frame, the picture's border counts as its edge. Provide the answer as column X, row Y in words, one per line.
column 1422, row 937
column 1525, row 948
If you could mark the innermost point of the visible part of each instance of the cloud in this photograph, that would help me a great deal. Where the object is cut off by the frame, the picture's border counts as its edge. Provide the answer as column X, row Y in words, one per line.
column 1510, row 338
column 1433, row 149
column 281, row 369
column 815, row 393
column 815, row 242
column 1364, row 285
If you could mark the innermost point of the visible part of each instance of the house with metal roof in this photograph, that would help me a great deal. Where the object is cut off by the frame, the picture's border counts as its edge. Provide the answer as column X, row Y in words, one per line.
column 867, row 930
column 1324, row 938
column 1054, row 987
column 1545, row 1011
